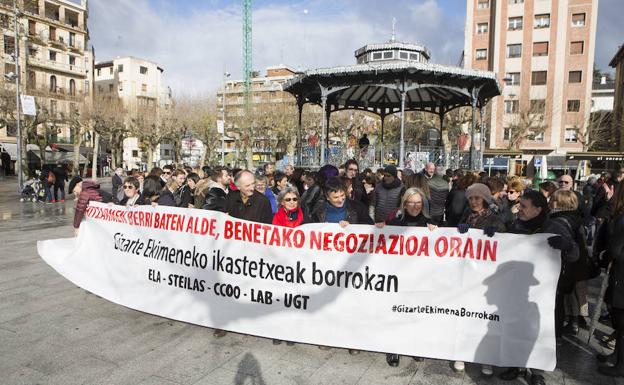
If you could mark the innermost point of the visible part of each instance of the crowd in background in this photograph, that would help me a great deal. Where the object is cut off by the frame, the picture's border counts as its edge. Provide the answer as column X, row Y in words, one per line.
column 587, row 222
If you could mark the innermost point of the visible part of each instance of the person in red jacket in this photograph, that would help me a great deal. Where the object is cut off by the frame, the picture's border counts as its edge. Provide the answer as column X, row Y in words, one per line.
column 288, row 214
column 85, row 191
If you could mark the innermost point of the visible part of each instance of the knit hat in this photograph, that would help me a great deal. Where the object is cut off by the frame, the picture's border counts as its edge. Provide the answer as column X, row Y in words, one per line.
column 391, row 169
column 479, row 190
column 72, row 183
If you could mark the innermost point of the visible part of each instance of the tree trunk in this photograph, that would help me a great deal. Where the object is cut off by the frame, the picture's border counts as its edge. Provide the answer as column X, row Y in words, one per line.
column 96, row 149
column 77, row 142
column 150, row 156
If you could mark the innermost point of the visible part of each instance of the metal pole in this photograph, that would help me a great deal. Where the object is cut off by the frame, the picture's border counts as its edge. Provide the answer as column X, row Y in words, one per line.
column 323, row 106
column 402, row 144
column 223, row 118
column 18, row 168
column 299, row 143
column 381, row 151
column 471, row 161
column 482, row 147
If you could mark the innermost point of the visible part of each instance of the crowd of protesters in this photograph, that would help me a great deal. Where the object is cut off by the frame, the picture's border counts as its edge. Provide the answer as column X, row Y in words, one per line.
column 588, row 224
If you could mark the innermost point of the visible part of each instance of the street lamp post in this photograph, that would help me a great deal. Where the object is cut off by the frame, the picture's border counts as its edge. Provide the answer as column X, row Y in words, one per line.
column 18, row 168
column 225, row 76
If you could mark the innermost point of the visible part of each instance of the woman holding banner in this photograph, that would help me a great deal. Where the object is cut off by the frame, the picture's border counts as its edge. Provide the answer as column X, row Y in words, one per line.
column 413, row 212
column 480, row 216
column 289, row 214
column 132, row 196
column 532, row 219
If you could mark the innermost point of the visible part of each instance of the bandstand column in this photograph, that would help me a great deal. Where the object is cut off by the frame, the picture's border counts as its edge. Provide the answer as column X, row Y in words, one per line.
column 402, row 144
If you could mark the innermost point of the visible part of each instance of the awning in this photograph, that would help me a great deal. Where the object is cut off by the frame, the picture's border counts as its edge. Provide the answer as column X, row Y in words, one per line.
column 561, row 163
column 11, row 148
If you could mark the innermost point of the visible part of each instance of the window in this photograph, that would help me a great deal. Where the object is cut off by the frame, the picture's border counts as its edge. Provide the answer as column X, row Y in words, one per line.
column 481, row 54
column 99, row 71
column 514, row 50
column 72, row 39
column 143, row 70
column 9, row 68
column 32, row 27
column 144, row 87
column 110, row 88
column 577, row 48
column 512, row 79
column 575, row 76
column 537, row 106
column 135, row 153
column 120, row 86
column 72, row 60
column 110, row 71
column 52, row 34
column 414, row 56
column 506, row 133
column 532, row 136
column 388, row 54
column 120, row 68
column 167, row 152
column 540, row 49
column 72, row 87
column 571, row 135
column 538, row 78
column 403, row 55
column 514, row 23
column 9, row 45
column 482, row 28
column 578, row 20
column 86, row 88
column 53, row 108
column 52, row 83
column 512, row 106
column 574, row 105
column 32, row 79
column 483, row 4
column 542, row 21
column 52, row 55
column 377, row 56
column 511, row 2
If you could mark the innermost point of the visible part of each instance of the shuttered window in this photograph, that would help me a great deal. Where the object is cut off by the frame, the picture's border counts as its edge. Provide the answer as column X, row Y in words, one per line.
column 540, row 48
column 577, row 48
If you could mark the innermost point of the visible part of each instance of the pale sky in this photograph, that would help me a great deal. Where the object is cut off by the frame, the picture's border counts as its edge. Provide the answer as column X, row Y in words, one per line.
column 194, row 40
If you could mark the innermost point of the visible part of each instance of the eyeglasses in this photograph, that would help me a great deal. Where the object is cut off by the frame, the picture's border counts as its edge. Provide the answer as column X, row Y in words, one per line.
column 290, row 199
column 128, row 187
column 167, row 172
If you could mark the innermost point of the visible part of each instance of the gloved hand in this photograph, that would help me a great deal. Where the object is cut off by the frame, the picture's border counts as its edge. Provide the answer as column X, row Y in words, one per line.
column 489, row 231
column 560, row 243
column 463, row 228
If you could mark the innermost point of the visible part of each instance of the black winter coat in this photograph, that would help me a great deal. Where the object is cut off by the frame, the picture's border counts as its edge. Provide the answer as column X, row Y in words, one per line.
column 310, row 198
column 615, row 294
column 256, row 209
column 215, row 199
column 166, row 198
column 357, row 213
column 456, row 205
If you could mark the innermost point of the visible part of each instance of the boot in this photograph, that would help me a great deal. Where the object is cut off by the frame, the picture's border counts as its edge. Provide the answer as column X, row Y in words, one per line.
column 393, row 359
column 510, row 374
column 537, row 379
column 616, row 370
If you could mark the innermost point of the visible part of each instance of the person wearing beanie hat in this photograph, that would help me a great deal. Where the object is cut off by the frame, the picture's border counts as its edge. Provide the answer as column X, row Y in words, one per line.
column 387, row 194
column 479, row 216
column 391, row 169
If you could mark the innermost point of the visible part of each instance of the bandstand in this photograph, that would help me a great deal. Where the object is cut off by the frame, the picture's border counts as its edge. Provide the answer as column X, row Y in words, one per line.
column 392, row 78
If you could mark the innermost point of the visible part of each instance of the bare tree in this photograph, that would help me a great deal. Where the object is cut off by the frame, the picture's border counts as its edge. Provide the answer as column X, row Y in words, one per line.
column 599, row 132
column 108, row 120
column 525, row 122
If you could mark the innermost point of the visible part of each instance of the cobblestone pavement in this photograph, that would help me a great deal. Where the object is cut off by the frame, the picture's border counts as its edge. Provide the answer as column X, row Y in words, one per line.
column 52, row 332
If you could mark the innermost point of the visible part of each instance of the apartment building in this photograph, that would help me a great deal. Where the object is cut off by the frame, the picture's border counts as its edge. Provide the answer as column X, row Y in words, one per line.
column 618, row 105
column 544, row 51
column 139, row 85
column 56, row 66
column 265, row 90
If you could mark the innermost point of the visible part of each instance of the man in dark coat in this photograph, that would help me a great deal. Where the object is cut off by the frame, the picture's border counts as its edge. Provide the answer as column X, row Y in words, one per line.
column 246, row 203
column 439, row 190
column 387, row 194
column 352, row 172
column 337, row 208
column 59, row 183
column 217, row 190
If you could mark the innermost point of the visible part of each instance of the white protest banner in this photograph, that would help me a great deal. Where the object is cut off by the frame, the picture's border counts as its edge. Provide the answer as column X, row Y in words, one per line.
column 412, row 291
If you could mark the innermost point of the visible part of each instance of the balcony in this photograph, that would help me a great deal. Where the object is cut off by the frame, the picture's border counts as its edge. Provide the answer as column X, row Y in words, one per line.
column 75, row 47
column 61, row 93
column 62, row 67
column 58, row 42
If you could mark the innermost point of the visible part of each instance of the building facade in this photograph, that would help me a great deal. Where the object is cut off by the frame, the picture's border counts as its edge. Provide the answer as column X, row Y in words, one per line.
column 265, row 90
column 56, row 66
column 544, row 51
column 618, row 105
column 139, row 84
column 603, row 95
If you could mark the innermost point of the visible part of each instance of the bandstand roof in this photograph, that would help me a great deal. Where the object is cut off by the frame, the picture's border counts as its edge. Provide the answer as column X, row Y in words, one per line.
column 377, row 87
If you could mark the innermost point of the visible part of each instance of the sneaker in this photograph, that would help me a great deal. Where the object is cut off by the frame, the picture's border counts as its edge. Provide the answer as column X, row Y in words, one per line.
column 354, row 352
column 393, row 359
column 219, row 333
column 322, row 347
column 290, row 343
column 487, row 371
column 459, row 366
column 277, row 342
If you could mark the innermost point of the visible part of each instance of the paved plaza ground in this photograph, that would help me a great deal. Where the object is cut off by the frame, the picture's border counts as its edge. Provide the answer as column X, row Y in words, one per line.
column 52, row 332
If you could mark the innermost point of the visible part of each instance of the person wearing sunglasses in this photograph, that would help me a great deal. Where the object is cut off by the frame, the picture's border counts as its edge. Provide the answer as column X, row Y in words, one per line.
column 132, row 196
column 289, row 213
